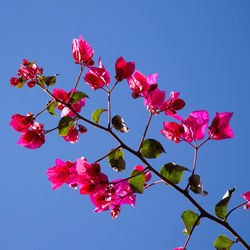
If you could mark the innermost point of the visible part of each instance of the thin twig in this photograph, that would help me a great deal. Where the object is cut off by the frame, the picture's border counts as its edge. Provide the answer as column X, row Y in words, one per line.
column 195, row 224
column 50, row 103
column 145, row 132
column 242, row 204
column 114, row 149
column 78, row 78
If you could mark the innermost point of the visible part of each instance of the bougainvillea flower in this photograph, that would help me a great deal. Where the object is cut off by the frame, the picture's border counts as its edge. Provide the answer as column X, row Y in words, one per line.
column 173, row 104
column 173, row 131
column 72, row 136
column 90, row 178
column 14, row 81
column 137, row 82
column 195, row 125
column 60, row 94
column 220, row 128
column 97, row 77
column 82, row 51
column 82, row 129
column 28, row 73
column 21, row 123
column 62, row 172
column 33, row 138
column 247, row 197
column 123, row 69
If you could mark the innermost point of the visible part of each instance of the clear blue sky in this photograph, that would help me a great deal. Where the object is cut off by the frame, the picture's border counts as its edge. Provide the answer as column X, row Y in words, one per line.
column 200, row 48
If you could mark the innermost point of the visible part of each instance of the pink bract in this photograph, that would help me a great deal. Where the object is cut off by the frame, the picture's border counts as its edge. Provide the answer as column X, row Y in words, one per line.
column 195, row 125
column 82, row 51
column 21, row 123
column 141, row 168
column 72, row 136
column 247, row 197
column 62, row 172
column 137, row 82
column 33, row 138
column 60, row 94
column 97, row 77
column 123, row 69
column 173, row 131
column 220, row 128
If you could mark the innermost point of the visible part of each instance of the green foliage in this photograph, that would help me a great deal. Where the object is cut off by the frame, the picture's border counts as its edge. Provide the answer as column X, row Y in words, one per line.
column 221, row 207
column 172, row 172
column 119, row 124
column 116, row 160
column 51, row 108
column 189, row 217
column 151, row 149
column 223, row 243
column 64, row 125
column 196, row 185
column 137, row 182
column 48, row 80
column 96, row 115
column 77, row 96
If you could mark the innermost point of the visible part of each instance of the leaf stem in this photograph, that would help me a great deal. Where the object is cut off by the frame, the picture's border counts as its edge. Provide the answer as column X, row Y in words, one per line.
column 242, row 204
column 189, row 236
column 78, row 78
column 50, row 103
column 145, row 132
column 114, row 149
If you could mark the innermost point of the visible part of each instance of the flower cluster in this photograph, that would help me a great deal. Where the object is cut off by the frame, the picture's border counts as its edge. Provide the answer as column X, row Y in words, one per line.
column 32, row 132
column 147, row 87
column 194, row 127
column 91, row 181
column 29, row 72
column 63, row 96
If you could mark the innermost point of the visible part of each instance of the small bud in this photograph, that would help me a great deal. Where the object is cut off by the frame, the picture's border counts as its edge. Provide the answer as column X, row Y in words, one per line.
column 153, row 87
column 135, row 95
column 31, row 84
column 82, row 129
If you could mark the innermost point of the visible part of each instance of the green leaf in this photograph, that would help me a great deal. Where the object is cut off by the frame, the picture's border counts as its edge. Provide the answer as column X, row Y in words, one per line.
column 137, row 183
column 119, row 124
column 51, row 108
column 77, row 96
column 151, row 148
column 196, row 185
column 116, row 160
column 223, row 243
column 189, row 217
column 64, row 125
column 96, row 115
column 172, row 172
column 221, row 207
column 20, row 85
column 48, row 80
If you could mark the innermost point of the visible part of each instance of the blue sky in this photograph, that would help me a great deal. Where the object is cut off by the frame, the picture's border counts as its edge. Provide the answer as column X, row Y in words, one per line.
column 200, row 48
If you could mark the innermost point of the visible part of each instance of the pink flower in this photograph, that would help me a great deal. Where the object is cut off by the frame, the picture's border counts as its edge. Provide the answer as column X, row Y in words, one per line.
column 173, row 131
column 247, row 197
column 90, row 178
column 14, row 81
column 123, row 69
column 82, row 51
column 195, row 125
column 28, row 73
column 172, row 104
column 220, row 128
column 82, row 129
column 97, row 77
column 62, row 172
column 153, row 97
column 33, row 138
column 61, row 94
column 137, row 82
column 21, row 123
column 72, row 135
